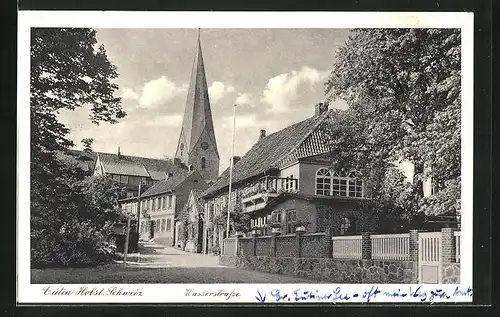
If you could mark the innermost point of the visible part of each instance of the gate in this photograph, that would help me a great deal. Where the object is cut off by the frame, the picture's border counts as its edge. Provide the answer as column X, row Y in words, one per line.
column 429, row 257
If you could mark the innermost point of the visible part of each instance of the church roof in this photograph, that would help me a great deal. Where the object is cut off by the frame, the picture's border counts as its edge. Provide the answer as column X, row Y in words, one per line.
column 275, row 150
column 197, row 113
column 157, row 169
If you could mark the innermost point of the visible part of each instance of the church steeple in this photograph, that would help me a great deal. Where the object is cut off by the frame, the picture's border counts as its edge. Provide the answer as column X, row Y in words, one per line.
column 197, row 146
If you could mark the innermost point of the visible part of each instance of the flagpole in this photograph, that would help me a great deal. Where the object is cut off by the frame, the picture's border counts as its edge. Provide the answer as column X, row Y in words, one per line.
column 139, row 208
column 231, row 171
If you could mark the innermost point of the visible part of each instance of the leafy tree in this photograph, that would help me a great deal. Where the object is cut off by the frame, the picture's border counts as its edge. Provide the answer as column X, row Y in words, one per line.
column 403, row 89
column 87, row 144
column 68, row 70
column 238, row 220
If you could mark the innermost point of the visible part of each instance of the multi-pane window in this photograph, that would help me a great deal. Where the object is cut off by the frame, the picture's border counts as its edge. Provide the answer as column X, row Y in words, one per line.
column 163, row 223
column 164, row 202
column 328, row 184
column 169, row 224
column 276, row 216
column 348, row 226
column 339, row 186
column 290, row 183
column 150, row 204
column 323, row 182
column 169, row 201
column 116, row 177
column 157, row 226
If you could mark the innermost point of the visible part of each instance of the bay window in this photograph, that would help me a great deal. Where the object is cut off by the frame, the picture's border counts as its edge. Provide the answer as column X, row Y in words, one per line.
column 338, row 184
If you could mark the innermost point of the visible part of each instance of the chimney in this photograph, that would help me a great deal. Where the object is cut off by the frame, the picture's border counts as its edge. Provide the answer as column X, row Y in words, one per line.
column 236, row 159
column 262, row 134
column 320, row 108
column 119, row 154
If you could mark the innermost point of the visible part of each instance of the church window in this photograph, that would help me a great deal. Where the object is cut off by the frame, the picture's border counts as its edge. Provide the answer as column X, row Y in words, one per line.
column 182, row 148
column 203, row 162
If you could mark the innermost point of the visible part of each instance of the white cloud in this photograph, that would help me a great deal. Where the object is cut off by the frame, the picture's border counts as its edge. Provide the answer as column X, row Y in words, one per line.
column 281, row 90
column 218, row 90
column 159, row 91
column 243, row 99
column 128, row 93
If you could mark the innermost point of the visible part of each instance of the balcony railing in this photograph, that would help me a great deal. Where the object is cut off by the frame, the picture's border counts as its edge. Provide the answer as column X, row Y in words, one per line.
column 256, row 194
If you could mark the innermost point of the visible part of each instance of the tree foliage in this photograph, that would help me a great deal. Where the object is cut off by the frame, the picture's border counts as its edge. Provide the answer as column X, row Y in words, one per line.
column 68, row 70
column 403, row 91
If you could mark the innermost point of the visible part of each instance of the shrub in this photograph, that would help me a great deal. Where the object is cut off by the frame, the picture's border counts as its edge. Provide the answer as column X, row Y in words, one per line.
column 77, row 229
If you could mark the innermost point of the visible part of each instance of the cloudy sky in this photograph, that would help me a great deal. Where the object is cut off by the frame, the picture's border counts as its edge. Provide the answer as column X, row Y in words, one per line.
column 276, row 76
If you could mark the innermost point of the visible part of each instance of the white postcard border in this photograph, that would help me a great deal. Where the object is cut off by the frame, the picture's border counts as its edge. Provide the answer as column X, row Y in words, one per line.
column 157, row 293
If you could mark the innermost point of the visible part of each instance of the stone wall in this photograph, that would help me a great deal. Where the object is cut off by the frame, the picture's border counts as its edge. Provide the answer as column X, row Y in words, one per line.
column 329, row 270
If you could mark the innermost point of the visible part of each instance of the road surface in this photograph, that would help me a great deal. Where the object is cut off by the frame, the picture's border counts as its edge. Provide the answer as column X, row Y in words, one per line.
column 165, row 266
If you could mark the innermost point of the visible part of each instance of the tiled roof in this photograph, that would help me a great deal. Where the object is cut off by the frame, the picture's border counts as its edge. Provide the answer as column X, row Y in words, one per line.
column 122, row 165
column 139, row 166
column 164, row 186
column 272, row 151
column 82, row 159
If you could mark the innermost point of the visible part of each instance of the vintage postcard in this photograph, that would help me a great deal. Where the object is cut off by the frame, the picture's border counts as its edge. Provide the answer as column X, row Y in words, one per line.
column 244, row 157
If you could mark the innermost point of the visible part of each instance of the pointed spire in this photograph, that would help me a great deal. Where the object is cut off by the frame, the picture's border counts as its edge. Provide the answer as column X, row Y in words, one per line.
column 198, row 113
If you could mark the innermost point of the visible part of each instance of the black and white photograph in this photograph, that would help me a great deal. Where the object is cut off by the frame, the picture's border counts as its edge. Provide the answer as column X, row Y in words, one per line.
column 209, row 155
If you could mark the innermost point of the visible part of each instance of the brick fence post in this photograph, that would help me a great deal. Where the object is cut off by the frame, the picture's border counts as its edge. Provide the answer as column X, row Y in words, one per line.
column 255, row 234
column 237, row 242
column 447, row 245
column 329, row 243
column 414, row 245
column 298, row 242
column 274, row 234
column 366, row 246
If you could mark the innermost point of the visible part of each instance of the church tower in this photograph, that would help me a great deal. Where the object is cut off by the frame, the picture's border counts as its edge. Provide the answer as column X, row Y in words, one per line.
column 197, row 147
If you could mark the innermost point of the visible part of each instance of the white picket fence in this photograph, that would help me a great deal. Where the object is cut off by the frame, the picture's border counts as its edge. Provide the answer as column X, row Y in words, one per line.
column 390, row 246
column 347, row 247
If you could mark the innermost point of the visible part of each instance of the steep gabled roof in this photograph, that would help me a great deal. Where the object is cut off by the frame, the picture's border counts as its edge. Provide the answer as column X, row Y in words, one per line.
column 157, row 169
column 274, row 150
